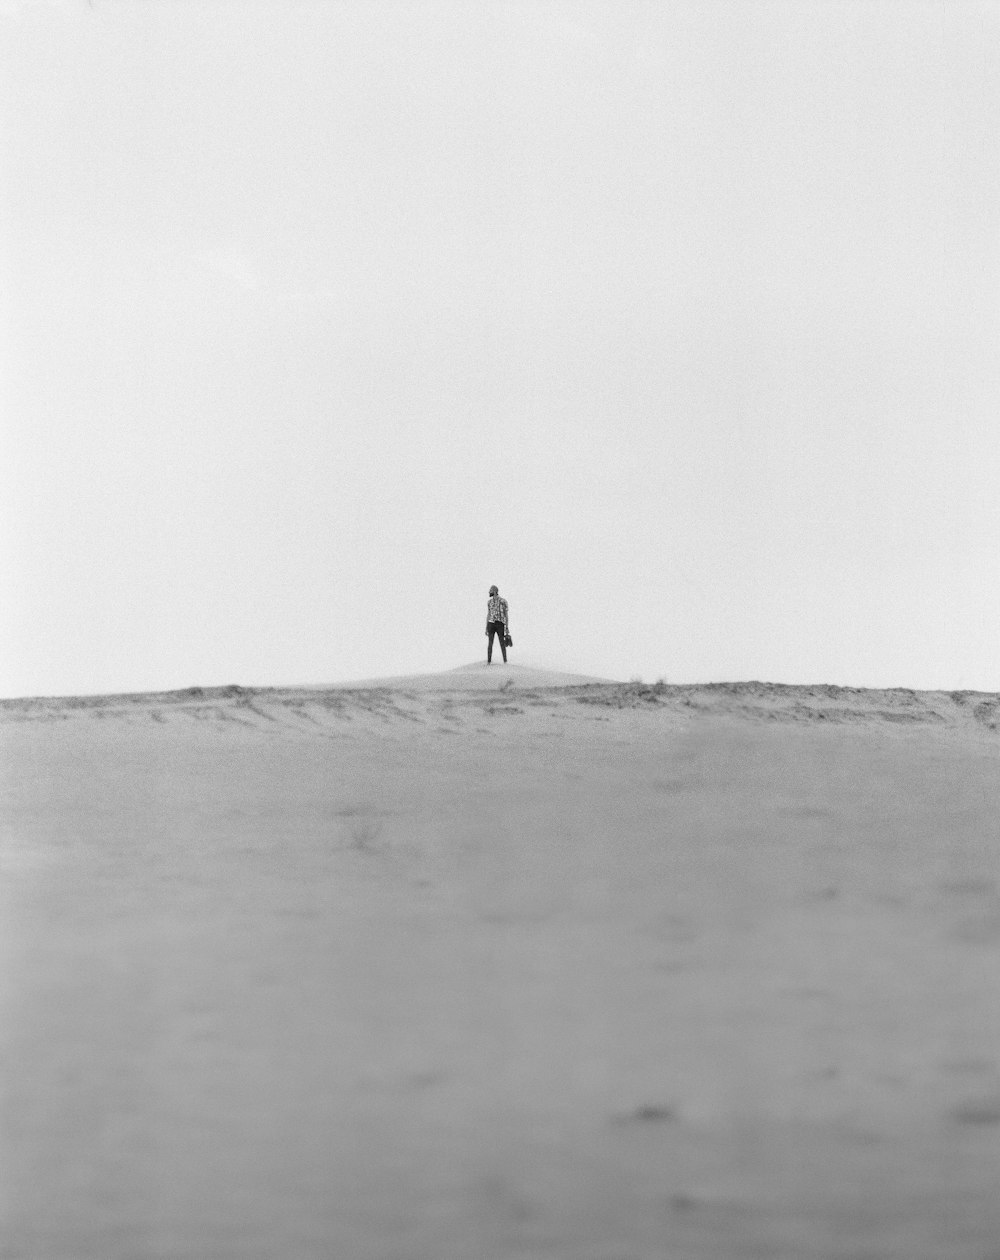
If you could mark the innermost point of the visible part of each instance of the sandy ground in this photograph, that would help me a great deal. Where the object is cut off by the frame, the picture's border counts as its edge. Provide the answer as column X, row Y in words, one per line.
column 501, row 964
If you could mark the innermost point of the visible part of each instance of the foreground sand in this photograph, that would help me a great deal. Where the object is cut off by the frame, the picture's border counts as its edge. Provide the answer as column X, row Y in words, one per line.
column 492, row 964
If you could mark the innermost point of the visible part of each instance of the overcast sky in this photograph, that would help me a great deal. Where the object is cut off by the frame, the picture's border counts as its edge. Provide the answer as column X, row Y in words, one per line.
column 677, row 321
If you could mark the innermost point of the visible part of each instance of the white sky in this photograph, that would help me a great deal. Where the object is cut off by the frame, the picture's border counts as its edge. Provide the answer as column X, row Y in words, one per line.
column 677, row 321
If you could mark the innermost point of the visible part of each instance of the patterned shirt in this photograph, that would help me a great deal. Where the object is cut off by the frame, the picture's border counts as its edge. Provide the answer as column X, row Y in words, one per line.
column 496, row 609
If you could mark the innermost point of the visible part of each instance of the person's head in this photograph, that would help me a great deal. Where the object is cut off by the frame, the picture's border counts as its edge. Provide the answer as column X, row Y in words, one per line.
column 494, row 591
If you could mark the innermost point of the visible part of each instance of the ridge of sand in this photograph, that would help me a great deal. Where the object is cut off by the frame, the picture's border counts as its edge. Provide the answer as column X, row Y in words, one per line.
column 479, row 676
column 469, row 692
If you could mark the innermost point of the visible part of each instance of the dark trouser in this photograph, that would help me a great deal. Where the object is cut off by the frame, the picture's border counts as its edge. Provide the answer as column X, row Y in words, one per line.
column 492, row 628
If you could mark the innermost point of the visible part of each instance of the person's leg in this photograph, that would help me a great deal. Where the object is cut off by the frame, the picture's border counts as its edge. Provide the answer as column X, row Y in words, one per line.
column 489, row 645
column 503, row 642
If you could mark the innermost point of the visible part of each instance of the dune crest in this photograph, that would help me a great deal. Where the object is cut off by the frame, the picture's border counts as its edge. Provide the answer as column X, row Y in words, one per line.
column 468, row 689
column 464, row 696
column 479, row 676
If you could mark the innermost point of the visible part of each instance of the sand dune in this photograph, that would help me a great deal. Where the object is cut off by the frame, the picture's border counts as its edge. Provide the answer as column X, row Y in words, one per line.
column 421, row 697
column 501, row 963
column 479, row 676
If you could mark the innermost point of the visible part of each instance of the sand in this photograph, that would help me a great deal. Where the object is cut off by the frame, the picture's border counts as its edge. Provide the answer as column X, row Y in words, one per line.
column 501, row 963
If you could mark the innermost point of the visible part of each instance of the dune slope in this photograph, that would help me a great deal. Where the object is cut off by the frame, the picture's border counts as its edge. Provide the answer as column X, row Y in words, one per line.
column 499, row 964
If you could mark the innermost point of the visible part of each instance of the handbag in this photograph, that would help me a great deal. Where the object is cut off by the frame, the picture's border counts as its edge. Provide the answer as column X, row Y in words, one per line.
column 508, row 641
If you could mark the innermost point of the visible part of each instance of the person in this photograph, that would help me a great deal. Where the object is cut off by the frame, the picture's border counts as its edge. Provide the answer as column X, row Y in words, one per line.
column 496, row 624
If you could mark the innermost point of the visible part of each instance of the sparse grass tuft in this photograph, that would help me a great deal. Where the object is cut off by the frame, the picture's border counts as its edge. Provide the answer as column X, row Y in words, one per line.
column 623, row 695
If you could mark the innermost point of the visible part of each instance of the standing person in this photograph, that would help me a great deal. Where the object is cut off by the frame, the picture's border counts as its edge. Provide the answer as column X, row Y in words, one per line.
column 496, row 623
